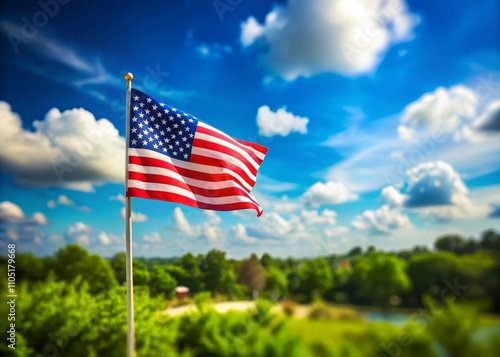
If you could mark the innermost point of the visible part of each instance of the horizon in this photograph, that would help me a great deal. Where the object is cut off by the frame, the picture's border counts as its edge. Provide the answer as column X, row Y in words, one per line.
column 382, row 122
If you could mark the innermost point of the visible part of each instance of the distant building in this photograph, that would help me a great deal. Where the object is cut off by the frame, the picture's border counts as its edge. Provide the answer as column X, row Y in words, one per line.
column 181, row 292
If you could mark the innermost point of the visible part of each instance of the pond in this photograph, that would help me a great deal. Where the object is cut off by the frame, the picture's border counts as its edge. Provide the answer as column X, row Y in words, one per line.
column 393, row 318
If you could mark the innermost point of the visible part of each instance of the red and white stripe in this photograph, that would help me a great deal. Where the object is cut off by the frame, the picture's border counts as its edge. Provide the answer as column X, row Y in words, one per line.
column 220, row 175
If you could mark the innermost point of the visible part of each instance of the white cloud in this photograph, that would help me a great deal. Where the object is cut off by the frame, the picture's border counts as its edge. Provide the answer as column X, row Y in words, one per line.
column 327, row 194
column 313, row 217
column 136, row 216
column 435, row 183
column 335, row 231
column 437, row 126
column 212, row 217
column 391, row 196
column 349, row 37
column 443, row 109
column 104, row 238
column 10, row 212
column 280, row 122
column 383, row 220
column 240, row 232
column 490, row 120
column 215, row 50
column 152, row 238
column 181, row 224
column 119, row 198
column 70, row 149
column 78, row 233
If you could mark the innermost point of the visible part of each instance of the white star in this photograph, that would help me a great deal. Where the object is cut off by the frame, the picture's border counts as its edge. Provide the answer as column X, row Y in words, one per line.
column 157, row 126
column 156, row 136
column 162, row 133
column 167, row 111
column 148, row 100
column 134, row 141
column 184, row 138
column 155, row 107
column 187, row 128
column 176, row 125
column 152, row 118
column 175, row 153
column 171, row 118
column 191, row 135
column 162, row 104
column 151, row 129
column 136, row 98
column 141, row 125
column 160, row 143
column 145, row 131
column 177, row 143
column 155, row 146
column 179, row 132
column 139, row 136
column 171, row 147
column 159, row 114
column 164, row 149
column 141, row 104
column 191, row 120
column 141, row 115
column 134, row 130
column 174, row 109
column 173, row 136
column 150, row 139
column 181, row 149
column 147, row 111
column 188, row 145
column 134, row 119
column 185, row 156
column 164, row 122
column 184, row 114
column 136, row 108
column 183, row 122
column 178, row 115
column 144, row 143
column 145, row 122
column 169, row 129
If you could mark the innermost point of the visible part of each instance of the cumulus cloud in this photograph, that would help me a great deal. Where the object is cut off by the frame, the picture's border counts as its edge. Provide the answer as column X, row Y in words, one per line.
column 240, row 232
column 274, row 226
column 490, row 120
column 349, row 37
column 435, row 183
column 313, row 217
column 391, row 196
column 335, row 231
column 70, row 149
column 119, row 198
column 212, row 217
column 327, row 194
column 10, row 212
column 381, row 221
column 181, row 224
column 104, row 238
column 136, row 216
column 280, row 122
column 78, row 233
column 152, row 238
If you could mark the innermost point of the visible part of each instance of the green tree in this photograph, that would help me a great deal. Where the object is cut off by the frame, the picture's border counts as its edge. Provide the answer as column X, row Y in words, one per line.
column 161, row 282
column 315, row 277
column 119, row 266
column 194, row 278
column 490, row 239
column 141, row 273
column 276, row 282
column 379, row 276
column 252, row 274
column 73, row 261
column 354, row 252
column 214, row 266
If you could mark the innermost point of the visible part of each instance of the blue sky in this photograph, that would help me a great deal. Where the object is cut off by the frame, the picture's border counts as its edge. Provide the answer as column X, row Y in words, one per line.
column 381, row 119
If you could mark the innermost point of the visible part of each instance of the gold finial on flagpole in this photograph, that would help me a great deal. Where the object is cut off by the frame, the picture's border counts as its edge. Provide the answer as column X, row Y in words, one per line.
column 129, row 77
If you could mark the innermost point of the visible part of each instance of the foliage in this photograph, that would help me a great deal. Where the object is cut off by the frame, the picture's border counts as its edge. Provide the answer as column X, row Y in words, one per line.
column 379, row 276
column 252, row 274
column 161, row 282
column 315, row 277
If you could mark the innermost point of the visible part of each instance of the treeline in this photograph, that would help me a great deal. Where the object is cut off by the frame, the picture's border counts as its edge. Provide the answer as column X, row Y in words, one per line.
column 458, row 268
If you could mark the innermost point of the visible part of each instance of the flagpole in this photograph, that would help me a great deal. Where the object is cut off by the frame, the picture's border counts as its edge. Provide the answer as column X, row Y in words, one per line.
column 128, row 232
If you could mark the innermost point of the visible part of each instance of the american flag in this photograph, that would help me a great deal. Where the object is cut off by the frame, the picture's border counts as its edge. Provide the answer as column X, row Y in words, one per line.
column 175, row 157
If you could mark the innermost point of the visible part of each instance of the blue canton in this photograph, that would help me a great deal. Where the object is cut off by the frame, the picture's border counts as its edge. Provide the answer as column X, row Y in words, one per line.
column 160, row 127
